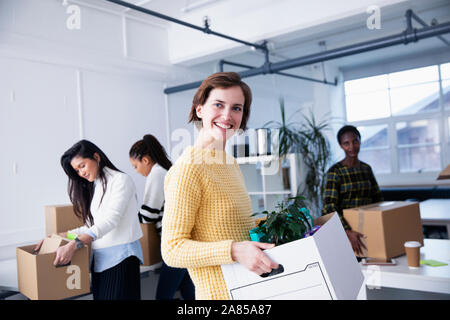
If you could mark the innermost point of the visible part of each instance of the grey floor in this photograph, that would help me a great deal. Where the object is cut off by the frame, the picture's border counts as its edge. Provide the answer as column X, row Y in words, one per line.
column 148, row 289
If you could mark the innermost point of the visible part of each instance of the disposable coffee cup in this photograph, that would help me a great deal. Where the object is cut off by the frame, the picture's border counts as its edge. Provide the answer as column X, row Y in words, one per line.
column 412, row 249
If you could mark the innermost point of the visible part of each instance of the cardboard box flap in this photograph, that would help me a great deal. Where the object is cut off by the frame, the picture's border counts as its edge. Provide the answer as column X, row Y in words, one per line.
column 51, row 244
column 383, row 206
column 445, row 174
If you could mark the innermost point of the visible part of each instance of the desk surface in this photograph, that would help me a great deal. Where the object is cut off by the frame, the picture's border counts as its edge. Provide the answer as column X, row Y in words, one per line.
column 435, row 209
column 425, row 278
column 8, row 274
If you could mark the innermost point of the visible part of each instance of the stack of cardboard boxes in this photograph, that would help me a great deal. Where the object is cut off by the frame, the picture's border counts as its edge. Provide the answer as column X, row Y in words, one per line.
column 39, row 279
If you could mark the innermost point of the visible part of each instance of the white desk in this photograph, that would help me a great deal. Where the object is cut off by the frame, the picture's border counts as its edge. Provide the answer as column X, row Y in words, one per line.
column 8, row 274
column 426, row 278
column 436, row 212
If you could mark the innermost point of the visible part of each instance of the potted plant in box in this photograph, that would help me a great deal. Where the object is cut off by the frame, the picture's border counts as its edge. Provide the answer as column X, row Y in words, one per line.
column 290, row 222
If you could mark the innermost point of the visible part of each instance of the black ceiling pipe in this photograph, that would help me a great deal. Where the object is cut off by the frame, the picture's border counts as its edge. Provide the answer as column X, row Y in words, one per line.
column 411, row 15
column 204, row 29
column 222, row 62
column 393, row 40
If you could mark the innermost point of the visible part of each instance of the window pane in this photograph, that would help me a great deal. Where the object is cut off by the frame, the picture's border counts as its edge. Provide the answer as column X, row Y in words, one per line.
column 378, row 159
column 413, row 76
column 417, row 132
column 367, row 106
column 366, row 84
column 445, row 71
column 373, row 136
column 446, row 93
column 257, row 203
column 415, row 99
column 419, row 159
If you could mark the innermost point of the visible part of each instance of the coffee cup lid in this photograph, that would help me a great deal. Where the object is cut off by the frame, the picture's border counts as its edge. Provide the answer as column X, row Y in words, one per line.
column 412, row 244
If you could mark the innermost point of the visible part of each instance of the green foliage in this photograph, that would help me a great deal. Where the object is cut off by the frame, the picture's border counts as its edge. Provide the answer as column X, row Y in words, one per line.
column 310, row 141
column 288, row 132
column 316, row 155
column 286, row 224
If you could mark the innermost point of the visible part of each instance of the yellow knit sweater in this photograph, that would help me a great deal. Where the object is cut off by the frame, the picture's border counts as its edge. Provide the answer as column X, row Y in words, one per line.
column 206, row 208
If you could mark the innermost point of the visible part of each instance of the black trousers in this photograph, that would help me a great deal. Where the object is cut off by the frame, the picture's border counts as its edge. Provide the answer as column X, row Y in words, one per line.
column 121, row 282
column 173, row 279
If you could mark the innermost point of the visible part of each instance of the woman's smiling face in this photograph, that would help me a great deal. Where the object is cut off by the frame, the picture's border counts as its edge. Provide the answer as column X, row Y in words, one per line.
column 222, row 112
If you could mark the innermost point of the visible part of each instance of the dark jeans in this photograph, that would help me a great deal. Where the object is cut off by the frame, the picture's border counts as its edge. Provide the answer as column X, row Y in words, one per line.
column 172, row 279
column 121, row 282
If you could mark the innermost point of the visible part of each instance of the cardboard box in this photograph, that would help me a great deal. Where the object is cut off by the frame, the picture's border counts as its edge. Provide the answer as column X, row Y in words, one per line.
column 321, row 266
column 387, row 226
column 445, row 174
column 151, row 244
column 60, row 218
column 39, row 279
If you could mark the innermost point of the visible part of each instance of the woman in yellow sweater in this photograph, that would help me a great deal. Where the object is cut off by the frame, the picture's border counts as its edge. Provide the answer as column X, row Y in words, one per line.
column 207, row 210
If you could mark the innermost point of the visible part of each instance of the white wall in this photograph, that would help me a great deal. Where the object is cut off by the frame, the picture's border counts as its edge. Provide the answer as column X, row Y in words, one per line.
column 103, row 82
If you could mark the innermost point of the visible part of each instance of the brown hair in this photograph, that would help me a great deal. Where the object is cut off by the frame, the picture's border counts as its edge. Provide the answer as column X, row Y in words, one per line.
column 221, row 80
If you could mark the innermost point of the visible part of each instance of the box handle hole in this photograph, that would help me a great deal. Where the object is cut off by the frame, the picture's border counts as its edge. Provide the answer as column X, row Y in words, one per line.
column 276, row 271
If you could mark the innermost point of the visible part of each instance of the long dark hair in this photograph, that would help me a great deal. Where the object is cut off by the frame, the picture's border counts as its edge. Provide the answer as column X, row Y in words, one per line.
column 81, row 190
column 150, row 146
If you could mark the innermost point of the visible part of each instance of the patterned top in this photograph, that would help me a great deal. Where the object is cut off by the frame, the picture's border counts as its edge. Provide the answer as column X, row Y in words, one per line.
column 349, row 187
column 152, row 209
column 207, row 208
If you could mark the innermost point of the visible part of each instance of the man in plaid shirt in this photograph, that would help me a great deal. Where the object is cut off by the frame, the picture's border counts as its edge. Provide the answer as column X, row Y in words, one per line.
column 350, row 183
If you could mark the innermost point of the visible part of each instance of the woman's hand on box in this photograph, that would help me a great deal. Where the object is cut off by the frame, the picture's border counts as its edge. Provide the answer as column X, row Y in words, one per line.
column 356, row 242
column 250, row 255
column 65, row 253
column 38, row 246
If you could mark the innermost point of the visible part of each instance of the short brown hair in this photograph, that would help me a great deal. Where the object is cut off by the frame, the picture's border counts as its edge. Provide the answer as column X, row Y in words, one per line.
column 221, row 80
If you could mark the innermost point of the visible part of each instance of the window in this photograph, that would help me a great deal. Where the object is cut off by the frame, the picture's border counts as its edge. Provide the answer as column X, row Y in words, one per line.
column 402, row 117
column 414, row 91
column 445, row 75
column 367, row 98
column 418, row 145
column 375, row 147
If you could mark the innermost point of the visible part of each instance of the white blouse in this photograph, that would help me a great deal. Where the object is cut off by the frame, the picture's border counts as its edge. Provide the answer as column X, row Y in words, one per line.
column 115, row 218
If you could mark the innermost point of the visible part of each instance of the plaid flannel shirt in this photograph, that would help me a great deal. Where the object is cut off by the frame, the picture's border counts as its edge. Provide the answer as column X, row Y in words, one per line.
column 349, row 187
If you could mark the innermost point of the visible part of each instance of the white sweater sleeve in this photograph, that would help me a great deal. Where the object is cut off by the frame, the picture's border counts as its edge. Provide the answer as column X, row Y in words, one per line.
column 79, row 230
